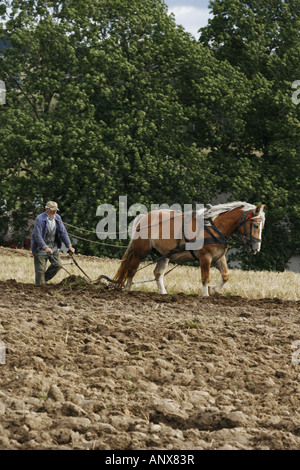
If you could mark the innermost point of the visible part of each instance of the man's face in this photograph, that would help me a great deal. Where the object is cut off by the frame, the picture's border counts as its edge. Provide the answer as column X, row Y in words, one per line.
column 50, row 213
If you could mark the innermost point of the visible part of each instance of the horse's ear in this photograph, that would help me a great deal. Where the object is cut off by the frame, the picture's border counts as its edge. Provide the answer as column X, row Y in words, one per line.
column 259, row 208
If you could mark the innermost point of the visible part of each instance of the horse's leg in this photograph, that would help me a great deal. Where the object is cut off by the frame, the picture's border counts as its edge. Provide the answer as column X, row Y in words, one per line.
column 128, row 284
column 205, row 269
column 159, row 274
column 221, row 265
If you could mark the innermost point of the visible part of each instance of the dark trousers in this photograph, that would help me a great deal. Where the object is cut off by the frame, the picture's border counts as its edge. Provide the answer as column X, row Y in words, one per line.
column 42, row 274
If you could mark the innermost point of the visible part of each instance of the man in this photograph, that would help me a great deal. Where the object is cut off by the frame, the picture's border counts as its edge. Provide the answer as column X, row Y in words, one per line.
column 48, row 234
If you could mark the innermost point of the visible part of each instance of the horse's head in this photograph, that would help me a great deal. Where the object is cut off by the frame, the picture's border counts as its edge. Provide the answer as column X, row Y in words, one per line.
column 250, row 228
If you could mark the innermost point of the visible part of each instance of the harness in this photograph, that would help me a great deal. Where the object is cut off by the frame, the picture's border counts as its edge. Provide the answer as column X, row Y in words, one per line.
column 180, row 246
column 213, row 239
column 219, row 237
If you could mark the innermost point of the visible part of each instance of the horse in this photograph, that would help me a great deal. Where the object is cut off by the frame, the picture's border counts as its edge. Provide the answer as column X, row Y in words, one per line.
column 162, row 231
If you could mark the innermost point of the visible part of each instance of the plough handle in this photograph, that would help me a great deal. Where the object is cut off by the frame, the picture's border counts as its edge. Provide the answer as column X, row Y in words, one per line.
column 75, row 262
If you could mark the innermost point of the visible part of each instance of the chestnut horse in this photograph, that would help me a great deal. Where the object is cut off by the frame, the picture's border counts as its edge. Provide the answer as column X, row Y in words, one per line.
column 158, row 230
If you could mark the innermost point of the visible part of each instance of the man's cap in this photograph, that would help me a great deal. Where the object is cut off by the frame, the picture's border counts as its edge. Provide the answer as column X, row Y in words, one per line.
column 52, row 205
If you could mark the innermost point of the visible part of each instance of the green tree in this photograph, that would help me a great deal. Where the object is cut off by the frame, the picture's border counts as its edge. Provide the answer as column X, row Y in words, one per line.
column 106, row 99
column 110, row 98
column 261, row 39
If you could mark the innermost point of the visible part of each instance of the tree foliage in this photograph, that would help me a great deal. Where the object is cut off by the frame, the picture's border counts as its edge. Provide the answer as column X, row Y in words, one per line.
column 111, row 98
column 261, row 39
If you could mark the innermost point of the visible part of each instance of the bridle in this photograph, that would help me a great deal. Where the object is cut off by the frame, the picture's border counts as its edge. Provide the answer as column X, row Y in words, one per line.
column 220, row 238
column 249, row 238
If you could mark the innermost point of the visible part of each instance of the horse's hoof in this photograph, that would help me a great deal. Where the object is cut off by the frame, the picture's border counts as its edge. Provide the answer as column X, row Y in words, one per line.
column 212, row 290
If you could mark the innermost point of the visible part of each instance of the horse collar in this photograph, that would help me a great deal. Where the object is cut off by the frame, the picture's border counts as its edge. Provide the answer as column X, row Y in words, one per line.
column 221, row 238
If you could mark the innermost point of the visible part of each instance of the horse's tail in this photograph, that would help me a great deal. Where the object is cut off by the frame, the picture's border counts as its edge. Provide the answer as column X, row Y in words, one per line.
column 129, row 261
column 123, row 271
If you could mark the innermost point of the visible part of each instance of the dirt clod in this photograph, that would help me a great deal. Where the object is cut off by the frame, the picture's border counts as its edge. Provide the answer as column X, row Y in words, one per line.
column 88, row 367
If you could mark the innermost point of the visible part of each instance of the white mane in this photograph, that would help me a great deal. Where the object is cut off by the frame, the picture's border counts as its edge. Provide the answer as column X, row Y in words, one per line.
column 214, row 211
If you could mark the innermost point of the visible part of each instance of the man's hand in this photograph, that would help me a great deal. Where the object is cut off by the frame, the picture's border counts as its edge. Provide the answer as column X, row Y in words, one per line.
column 48, row 250
column 71, row 249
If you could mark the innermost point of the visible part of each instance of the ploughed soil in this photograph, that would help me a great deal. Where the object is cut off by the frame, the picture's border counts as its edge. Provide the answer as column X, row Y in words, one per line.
column 91, row 367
